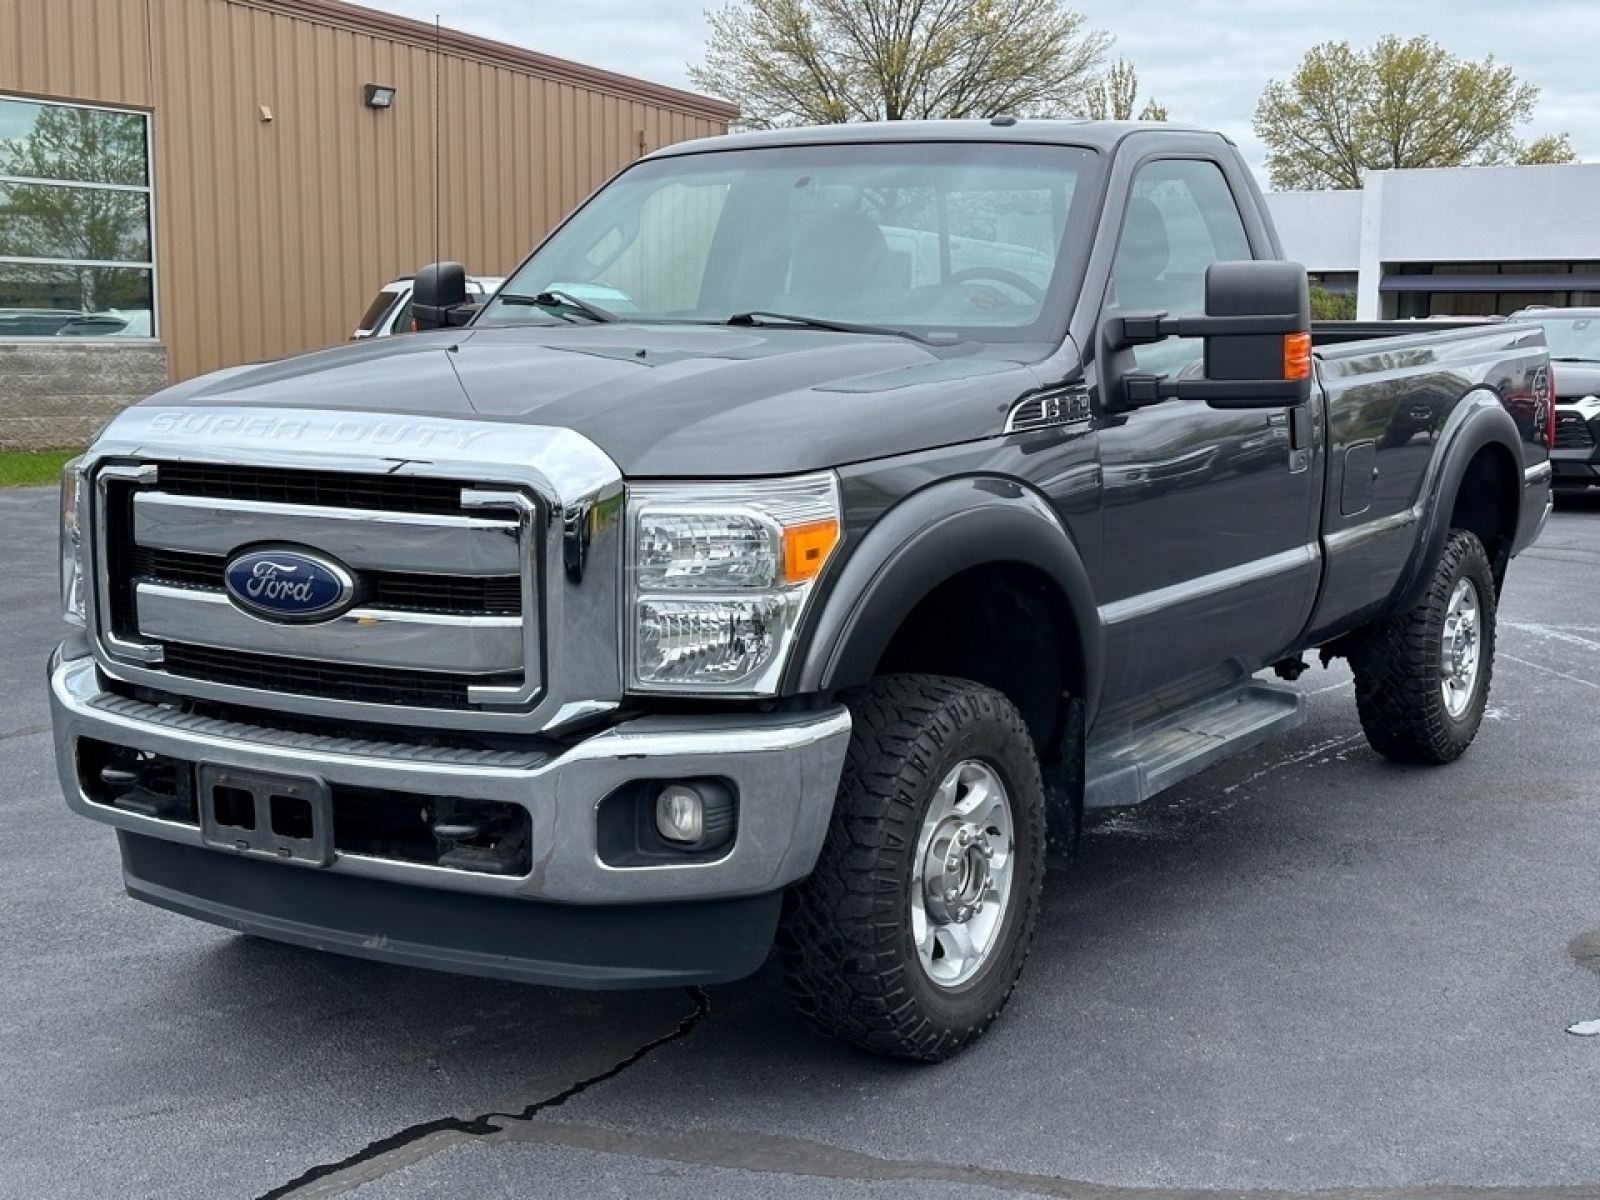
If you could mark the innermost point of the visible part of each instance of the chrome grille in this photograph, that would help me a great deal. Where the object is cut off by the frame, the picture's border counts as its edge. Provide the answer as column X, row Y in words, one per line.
column 499, row 595
column 273, row 673
column 445, row 615
column 327, row 489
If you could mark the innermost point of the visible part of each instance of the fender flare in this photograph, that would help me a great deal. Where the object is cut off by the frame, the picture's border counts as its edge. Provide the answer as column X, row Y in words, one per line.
column 930, row 537
column 1479, row 420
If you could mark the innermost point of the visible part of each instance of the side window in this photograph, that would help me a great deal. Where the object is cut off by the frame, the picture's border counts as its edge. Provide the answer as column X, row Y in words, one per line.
column 1181, row 219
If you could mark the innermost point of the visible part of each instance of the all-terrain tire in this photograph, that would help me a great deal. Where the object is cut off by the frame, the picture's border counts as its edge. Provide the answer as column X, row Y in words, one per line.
column 1419, row 701
column 859, row 961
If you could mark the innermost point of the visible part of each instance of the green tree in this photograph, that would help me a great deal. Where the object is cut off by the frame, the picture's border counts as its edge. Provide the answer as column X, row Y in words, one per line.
column 1404, row 103
column 1112, row 97
column 794, row 62
column 1332, row 306
column 1542, row 151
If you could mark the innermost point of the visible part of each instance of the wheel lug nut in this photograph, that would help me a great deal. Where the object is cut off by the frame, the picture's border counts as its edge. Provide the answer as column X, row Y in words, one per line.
column 950, row 894
column 964, row 837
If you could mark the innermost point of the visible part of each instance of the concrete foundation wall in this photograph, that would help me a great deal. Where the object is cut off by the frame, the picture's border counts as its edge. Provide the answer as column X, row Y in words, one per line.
column 56, row 396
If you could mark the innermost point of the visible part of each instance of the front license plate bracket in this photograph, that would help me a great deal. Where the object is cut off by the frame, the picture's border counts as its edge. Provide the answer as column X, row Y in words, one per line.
column 288, row 818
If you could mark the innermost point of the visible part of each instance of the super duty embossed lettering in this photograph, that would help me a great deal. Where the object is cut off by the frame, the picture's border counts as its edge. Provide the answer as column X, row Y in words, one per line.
column 248, row 426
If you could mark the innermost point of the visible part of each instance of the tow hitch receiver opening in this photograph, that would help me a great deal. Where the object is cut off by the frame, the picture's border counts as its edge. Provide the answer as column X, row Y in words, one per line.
column 283, row 817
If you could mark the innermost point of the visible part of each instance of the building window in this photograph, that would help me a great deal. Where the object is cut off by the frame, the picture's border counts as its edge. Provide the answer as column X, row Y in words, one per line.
column 77, row 254
column 1481, row 289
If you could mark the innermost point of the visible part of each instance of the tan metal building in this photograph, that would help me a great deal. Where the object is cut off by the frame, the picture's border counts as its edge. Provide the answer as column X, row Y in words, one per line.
column 259, row 198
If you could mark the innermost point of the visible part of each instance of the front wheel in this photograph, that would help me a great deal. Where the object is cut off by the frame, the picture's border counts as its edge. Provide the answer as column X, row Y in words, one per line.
column 1422, row 679
column 908, row 937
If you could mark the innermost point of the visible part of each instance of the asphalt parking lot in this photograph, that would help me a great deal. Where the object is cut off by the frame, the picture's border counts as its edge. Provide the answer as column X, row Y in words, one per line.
column 1306, row 970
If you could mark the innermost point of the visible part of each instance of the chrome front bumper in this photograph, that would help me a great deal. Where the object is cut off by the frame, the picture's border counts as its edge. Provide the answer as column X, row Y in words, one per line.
column 784, row 766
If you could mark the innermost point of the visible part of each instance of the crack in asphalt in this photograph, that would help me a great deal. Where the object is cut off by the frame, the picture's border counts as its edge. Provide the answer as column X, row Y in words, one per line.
column 484, row 1125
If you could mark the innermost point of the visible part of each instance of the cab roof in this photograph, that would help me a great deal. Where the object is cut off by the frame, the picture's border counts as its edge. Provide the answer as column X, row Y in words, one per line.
column 1099, row 135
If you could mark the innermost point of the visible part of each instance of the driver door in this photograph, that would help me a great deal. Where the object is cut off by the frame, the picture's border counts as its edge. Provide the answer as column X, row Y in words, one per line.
column 1209, row 519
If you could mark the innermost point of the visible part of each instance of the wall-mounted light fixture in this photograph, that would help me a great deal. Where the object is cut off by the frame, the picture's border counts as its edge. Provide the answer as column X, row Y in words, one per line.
column 378, row 95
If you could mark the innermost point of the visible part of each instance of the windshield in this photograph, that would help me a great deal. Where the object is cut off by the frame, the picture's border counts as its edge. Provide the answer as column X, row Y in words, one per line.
column 381, row 303
column 1571, row 337
column 953, row 239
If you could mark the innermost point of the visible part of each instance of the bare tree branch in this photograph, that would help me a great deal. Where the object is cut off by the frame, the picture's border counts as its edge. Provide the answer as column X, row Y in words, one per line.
column 786, row 62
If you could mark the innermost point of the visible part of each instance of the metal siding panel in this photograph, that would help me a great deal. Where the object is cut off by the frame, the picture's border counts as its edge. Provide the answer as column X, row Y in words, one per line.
column 76, row 50
column 415, row 215
column 550, row 153
column 239, row 205
column 404, row 31
column 188, row 168
column 457, row 174
column 494, row 199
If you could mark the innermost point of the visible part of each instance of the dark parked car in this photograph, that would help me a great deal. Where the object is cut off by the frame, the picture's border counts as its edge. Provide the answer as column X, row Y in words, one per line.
column 1574, row 338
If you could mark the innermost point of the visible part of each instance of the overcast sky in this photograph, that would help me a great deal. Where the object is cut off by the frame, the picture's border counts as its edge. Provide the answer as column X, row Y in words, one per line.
column 1206, row 60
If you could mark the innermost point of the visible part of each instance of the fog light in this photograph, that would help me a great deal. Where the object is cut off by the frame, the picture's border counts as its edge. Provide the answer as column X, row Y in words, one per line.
column 680, row 813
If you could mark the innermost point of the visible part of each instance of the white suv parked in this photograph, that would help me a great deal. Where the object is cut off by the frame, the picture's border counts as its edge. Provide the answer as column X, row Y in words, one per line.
column 390, row 310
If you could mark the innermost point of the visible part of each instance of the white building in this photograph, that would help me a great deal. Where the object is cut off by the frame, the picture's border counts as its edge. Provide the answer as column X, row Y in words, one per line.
column 1467, row 241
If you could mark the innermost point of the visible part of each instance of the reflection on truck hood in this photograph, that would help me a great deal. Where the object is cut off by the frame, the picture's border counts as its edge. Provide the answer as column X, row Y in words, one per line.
column 660, row 400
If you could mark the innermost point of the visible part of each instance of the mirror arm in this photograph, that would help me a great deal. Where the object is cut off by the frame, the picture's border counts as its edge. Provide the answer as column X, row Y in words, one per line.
column 1149, row 328
column 1144, row 329
column 1140, row 390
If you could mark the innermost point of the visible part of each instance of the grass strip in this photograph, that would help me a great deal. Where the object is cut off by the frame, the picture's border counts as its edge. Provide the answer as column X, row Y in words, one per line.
column 25, row 468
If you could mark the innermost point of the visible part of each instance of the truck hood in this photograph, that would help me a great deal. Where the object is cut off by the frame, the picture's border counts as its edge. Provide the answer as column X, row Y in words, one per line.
column 659, row 400
column 1575, row 380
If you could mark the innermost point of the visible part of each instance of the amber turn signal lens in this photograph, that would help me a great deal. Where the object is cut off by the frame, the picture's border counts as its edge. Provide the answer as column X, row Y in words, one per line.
column 1297, row 356
column 806, row 549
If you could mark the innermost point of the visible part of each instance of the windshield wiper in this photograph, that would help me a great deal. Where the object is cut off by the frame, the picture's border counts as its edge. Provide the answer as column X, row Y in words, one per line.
column 1572, row 358
column 564, row 303
column 760, row 317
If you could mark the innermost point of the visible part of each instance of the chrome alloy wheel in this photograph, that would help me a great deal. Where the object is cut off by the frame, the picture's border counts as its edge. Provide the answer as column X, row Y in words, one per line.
column 961, row 886
column 1459, row 660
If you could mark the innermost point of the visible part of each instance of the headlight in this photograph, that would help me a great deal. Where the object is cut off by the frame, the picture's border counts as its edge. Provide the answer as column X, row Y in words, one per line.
column 719, row 577
column 72, row 608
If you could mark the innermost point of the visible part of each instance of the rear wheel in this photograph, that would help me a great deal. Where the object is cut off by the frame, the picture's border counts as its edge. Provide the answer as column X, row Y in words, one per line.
column 908, row 937
column 1422, row 679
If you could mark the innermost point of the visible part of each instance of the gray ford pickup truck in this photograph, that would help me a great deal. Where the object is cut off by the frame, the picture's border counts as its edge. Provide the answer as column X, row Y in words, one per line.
column 802, row 539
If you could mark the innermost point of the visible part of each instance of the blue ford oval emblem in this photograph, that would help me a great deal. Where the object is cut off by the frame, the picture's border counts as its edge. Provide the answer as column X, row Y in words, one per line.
column 283, row 583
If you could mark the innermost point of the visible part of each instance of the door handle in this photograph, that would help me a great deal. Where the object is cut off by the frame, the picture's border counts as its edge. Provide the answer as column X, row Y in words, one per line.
column 1299, row 440
column 1299, row 429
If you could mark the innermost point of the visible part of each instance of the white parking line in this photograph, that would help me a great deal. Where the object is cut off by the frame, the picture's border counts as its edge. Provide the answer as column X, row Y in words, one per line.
column 1549, row 633
column 1588, row 683
column 1333, row 687
column 1321, row 752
